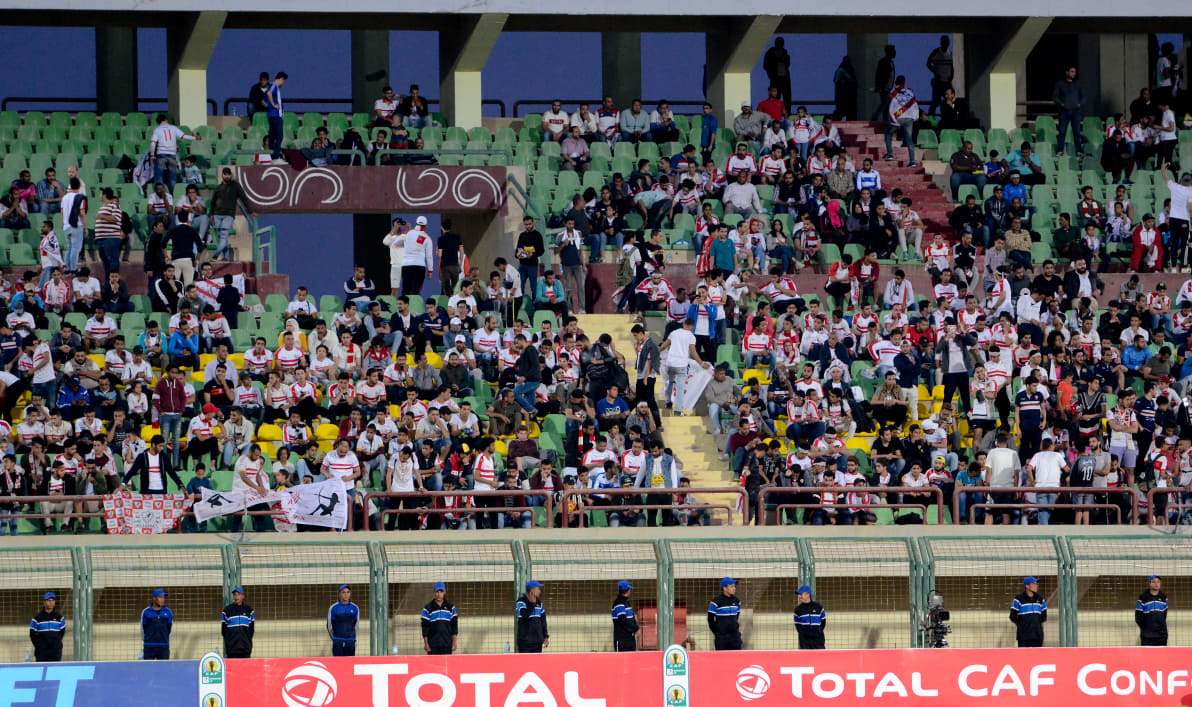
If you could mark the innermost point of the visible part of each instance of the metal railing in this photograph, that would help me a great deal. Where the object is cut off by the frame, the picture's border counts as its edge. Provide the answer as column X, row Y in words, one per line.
column 937, row 499
column 227, row 104
column 1180, row 508
column 743, row 499
column 1135, row 497
column 472, row 510
column 595, row 104
column 45, row 100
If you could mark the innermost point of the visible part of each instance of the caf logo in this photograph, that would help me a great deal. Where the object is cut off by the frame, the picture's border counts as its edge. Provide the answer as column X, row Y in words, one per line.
column 212, row 666
column 213, row 701
column 676, row 696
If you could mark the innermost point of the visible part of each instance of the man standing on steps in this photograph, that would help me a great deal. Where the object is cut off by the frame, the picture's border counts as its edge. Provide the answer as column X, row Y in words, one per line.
column 649, row 358
column 939, row 63
column 777, row 65
column 680, row 352
column 903, row 112
column 883, row 82
column 417, row 258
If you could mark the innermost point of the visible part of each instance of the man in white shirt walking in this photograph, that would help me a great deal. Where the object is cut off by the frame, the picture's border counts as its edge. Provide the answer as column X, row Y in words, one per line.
column 417, row 258
column 1045, row 470
column 678, row 351
column 163, row 149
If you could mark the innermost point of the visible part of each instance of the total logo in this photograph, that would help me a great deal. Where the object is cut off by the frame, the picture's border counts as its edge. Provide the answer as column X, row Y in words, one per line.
column 753, row 683
column 309, row 685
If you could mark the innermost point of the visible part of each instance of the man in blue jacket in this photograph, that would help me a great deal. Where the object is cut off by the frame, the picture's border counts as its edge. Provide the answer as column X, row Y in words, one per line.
column 342, row 619
column 157, row 621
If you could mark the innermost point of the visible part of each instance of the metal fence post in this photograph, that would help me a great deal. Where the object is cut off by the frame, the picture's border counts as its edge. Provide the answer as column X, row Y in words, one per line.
column 925, row 559
column 522, row 573
column 666, row 594
column 1067, row 592
column 231, row 570
column 379, row 599
column 806, row 562
column 83, row 597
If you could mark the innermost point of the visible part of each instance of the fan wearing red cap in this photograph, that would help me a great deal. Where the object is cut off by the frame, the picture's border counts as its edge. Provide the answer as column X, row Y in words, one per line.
column 202, row 439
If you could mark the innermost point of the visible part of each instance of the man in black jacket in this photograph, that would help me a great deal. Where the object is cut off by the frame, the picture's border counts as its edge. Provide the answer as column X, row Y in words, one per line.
column 528, row 370
column 151, row 467
column 810, row 619
column 1151, row 614
column 1028, row 612
column 724, row 614
column 1074, row 281
column 624, row 621
column 440, row 623
column 238, row 624
column 531, row 634
column 48, row 626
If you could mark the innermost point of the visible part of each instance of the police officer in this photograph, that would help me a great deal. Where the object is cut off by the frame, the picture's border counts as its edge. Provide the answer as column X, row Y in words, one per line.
column 1028, row 612
column 1151, row 614
column 724, row 613
column 157, row 621
column 531, row 634
column 810, row 619
column 238, row 625
column 46, row 630
column 342, row 618
column 624, row 622
column 440, row 623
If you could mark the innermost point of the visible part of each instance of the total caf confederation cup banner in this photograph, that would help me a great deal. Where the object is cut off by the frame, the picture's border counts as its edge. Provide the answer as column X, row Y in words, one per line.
column 1121, row 677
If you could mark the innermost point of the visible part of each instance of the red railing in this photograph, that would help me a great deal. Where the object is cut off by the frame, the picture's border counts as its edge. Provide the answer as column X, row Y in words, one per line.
column 743, row 499
column 547, row 505
column 1019, row 490
column 30, row 500
column 882, row 491
column 1179, row 507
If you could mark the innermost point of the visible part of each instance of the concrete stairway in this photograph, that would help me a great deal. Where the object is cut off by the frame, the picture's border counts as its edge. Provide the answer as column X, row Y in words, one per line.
column 868, row 140
column 686, row 436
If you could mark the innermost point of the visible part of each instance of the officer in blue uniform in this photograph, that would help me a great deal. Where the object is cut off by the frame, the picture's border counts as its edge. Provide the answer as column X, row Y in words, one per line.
column 342, row 619
column 1028, row 612
column 810, row 619
column 157, row 621
column 46, row 629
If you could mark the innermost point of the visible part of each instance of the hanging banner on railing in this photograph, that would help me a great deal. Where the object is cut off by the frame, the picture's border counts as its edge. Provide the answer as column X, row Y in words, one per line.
column 143, row 514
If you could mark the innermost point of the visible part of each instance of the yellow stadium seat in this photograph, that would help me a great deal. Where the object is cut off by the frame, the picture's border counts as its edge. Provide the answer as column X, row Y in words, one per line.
column 395, row 412
column 269, row 433
column 535, row 430
column 937, row 393
column 434, row 359
column 326, row 446
column 204, row 359
column 196, row 376
column 858, row 443
column 780, row 428
column 410, row 360
column 238, row 360
column 924, row 393
column 502, row 448
column 761, row 374
column 327, row 432
column 937, row 406
column 268, row 448
column 98, row 358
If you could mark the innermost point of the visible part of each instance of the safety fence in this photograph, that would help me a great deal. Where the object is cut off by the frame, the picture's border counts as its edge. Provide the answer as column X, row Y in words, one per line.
column 875, row 588
column 968, row 501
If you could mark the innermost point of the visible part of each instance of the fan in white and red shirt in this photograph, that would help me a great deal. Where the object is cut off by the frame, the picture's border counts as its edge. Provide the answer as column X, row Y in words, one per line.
column 371, row 392
column 258, row 361
column 946, row 291
column 100, row 327
column 289, row 358
column 596, row 456
column 883, row 351
column 938, row 254
column 342, row 463
column 740, row 161
column 414, row 406
column 656, row 288
column 486, row 340
column 773, row 165
column 484, row 471
column 757, row 343
column 56, row 293
column 294, row 432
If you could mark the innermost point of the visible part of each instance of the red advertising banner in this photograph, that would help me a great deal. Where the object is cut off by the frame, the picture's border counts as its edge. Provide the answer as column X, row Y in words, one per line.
column 337, row 189
column 1024, row 677
column 548, row 680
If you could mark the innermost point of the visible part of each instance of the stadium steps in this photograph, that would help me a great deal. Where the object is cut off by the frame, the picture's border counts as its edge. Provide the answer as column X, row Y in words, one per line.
column 868, row 140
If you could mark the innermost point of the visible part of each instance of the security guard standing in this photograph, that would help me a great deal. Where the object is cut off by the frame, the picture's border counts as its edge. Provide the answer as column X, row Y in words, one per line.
column 1151, row 614
column 810, row 619
column 342, row 619
column 532, row 634
column 1028, row 612
column 237, row 626
column 48, row 626
column 440, row 623
column 724, row 613
column 624, row 621
column 157, row 621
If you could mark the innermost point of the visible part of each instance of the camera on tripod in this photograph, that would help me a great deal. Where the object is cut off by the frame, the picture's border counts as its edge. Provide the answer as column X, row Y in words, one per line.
column 934, row 625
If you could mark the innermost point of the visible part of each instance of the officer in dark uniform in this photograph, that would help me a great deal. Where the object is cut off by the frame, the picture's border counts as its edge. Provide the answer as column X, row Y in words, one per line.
column 810, row 619
column 1151, row 614
column 157, row 621
column 624, row 621
column 342, row 619
column 724, row 613
column 237, row 626
column 531, row 635
column 1028, row 612
column 47, row 628
column 440, row 623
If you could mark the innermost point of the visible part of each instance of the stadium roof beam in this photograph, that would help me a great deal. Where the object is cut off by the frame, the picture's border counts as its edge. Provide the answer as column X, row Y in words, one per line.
column 993, row 93
column 189, row 46
column 463, row 52
column 621, row 66
column 116, row 68
column 732, row 52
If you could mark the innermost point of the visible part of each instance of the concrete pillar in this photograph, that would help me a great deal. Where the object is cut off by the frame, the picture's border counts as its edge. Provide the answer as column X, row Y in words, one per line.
column 994, row 66
column 116, row 69
column 189, row 45
column 732, row 53
column 1112, row 68
column 620, row 67
column 370, row 68
column 463, row 52
column 866, row 50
